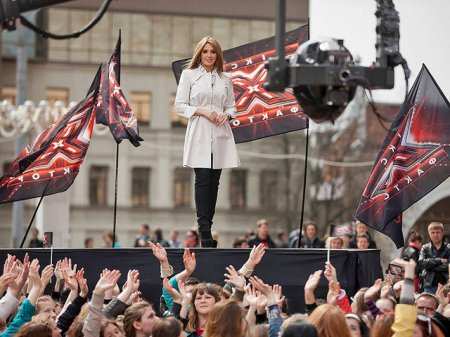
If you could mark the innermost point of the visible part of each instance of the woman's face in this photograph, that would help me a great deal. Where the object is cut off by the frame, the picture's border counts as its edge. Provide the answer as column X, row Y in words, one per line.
column 353, row 326
column 112, row 330
column 148, row 320
column 204, row 303
column 209, row 56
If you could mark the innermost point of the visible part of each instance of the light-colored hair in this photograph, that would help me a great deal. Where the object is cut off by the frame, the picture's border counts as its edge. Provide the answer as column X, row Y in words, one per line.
column 329, row 321
column 383, row 327
column 197, row 56
column 226, row 320
column 132, row 314
column 435, row 225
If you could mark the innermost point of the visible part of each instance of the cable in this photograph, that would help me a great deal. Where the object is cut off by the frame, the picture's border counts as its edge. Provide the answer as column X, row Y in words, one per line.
column 102, row 10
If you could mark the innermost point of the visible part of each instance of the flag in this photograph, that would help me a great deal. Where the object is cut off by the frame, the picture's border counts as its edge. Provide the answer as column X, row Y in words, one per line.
column 413, row 160
column 52, row 162
column 113, row 109
column 260, row 113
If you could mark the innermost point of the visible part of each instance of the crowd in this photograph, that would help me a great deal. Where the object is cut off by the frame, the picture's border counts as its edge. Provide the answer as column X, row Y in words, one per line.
column 411, row 301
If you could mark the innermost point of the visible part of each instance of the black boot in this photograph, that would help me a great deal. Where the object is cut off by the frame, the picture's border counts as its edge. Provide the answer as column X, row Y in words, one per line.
column 209, row 243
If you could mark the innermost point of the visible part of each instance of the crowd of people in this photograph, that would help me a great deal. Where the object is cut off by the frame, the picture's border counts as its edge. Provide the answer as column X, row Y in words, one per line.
column 411, row 301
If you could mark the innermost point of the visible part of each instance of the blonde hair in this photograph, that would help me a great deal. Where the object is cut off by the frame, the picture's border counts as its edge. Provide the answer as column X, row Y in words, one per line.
column 132, row 314
column 197, row 56
column 329, row 321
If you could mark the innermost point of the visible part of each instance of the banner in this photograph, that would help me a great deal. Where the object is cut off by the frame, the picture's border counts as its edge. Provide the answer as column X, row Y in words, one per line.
column 52, row 162
column 113, row 109
column 260, row 113
column 413, row 160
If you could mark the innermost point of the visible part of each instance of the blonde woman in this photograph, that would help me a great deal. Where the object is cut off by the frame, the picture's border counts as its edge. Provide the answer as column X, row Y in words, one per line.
column 205, row 96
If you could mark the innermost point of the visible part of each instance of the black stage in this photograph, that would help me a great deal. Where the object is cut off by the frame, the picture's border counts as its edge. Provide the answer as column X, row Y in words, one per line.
column 287, row 267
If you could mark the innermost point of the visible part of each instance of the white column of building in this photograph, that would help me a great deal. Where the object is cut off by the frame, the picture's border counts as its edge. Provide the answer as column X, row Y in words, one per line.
column 253, row 189
column 162, row 175
column 124, row 177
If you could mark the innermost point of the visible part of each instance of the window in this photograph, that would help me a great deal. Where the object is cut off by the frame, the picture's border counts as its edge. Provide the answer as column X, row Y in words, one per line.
column 140, row 186
column 57, row 94
column 140, row 103
column 238, row 189
column 8, row 94
column 98, row 183
column 177, row 120
column 268, row 189
column 182, row 186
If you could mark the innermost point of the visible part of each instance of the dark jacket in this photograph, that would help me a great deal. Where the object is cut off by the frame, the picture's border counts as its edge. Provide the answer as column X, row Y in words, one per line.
column 316, row 243
column 256, row 241
column 352, row 243
column 432, row 269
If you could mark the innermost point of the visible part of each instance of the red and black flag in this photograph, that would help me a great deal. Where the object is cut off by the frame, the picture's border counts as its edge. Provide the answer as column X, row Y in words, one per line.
column 52, row 162
column 413, row 160
column 113, row 109
column 260, row 113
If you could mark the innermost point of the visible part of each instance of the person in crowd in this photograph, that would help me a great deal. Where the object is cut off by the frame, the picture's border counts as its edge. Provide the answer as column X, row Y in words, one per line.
column 108, row 239
column 427, row 304
column 191, row 239
column 174, row 242
column 89, row 242
column 143, row 237
column 361, row 229
column 159, row 238
column 205, row 97
column 413, row 246
column 35, row 242
column 362, row 241
column 240, row 242
column 282, row 239
column 310, row 239
column 262, row 235
column 434, row 258
column 334, row 242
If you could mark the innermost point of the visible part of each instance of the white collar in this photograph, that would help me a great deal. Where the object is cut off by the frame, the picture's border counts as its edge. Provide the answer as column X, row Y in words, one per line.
column 203, row 70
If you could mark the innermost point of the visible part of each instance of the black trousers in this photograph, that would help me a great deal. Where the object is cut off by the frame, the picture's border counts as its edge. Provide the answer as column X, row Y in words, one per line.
column 206, row 189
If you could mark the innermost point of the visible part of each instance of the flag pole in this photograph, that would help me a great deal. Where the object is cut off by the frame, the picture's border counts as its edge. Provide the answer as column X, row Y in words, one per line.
column 115, row 196
column 34, row 215
column 304, row 187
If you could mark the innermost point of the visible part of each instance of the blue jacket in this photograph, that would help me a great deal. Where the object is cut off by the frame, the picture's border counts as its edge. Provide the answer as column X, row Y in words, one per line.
column 24, row 315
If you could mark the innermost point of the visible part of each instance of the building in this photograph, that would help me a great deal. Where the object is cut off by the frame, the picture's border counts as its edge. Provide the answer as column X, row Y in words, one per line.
column 153, row 187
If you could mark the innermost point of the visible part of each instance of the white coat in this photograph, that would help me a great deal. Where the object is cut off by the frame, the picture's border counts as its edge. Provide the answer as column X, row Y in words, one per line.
column 200, row 88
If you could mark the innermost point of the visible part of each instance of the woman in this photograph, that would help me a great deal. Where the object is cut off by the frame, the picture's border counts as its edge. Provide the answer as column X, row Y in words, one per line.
column 204, row 297
column 226, row 320
column 205, row 96
column 329, row 321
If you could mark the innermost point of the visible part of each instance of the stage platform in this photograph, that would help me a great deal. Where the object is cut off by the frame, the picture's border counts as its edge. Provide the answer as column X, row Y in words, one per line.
column 287, row 267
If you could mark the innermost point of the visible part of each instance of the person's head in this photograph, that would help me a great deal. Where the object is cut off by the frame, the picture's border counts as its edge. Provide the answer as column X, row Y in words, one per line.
column 33, row 329
column 108, row 238
column 259, row 330
column 427, row 304
column 358, row 305
column 293, row 319
column 89, row 243
column 362, row 241
column 111, row 328
column 311, row 230
column 415, row 239
column 329, row 321
column 282, row 236
column 34, row 232
column 356, row 325
column 262, row 230
column 240, row 243
column 191, row 239
column 144, row 229
column 168, row 327
column 335, row 242
column 204, row 296
column 158, row 234
column 45, row 304
column 139, row 319
column 386, row 305
column 436, row 232
column 207, row 53
column 174, row 235
column 361, row 228
column 303, row 329
column 226, row 319
column 382, row 326
column 48, row 319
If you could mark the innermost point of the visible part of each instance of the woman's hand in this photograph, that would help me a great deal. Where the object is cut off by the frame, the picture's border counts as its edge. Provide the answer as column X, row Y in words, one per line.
column 221, row 119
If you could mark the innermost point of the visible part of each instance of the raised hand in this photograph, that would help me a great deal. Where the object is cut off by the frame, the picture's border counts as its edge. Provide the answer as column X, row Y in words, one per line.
column 82, row 283
column 177, row 298
column 23, row 273
column 313, row 280
column 251, row 296
column 334, row 289
column 189, row 261
column 6, row 280
column 33, row 275
column 58, row 270
column 233, row 277
column 373, row 292
column 9, row 264
column 70, row 279
column 278, row 292
column 158, row 251
column 46, row 275
column 185, row 295
column 330, row 272
column 108, row 280
column 256, row 254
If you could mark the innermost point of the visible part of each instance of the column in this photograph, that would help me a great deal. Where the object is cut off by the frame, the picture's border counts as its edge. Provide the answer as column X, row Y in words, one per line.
column 253, row 189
